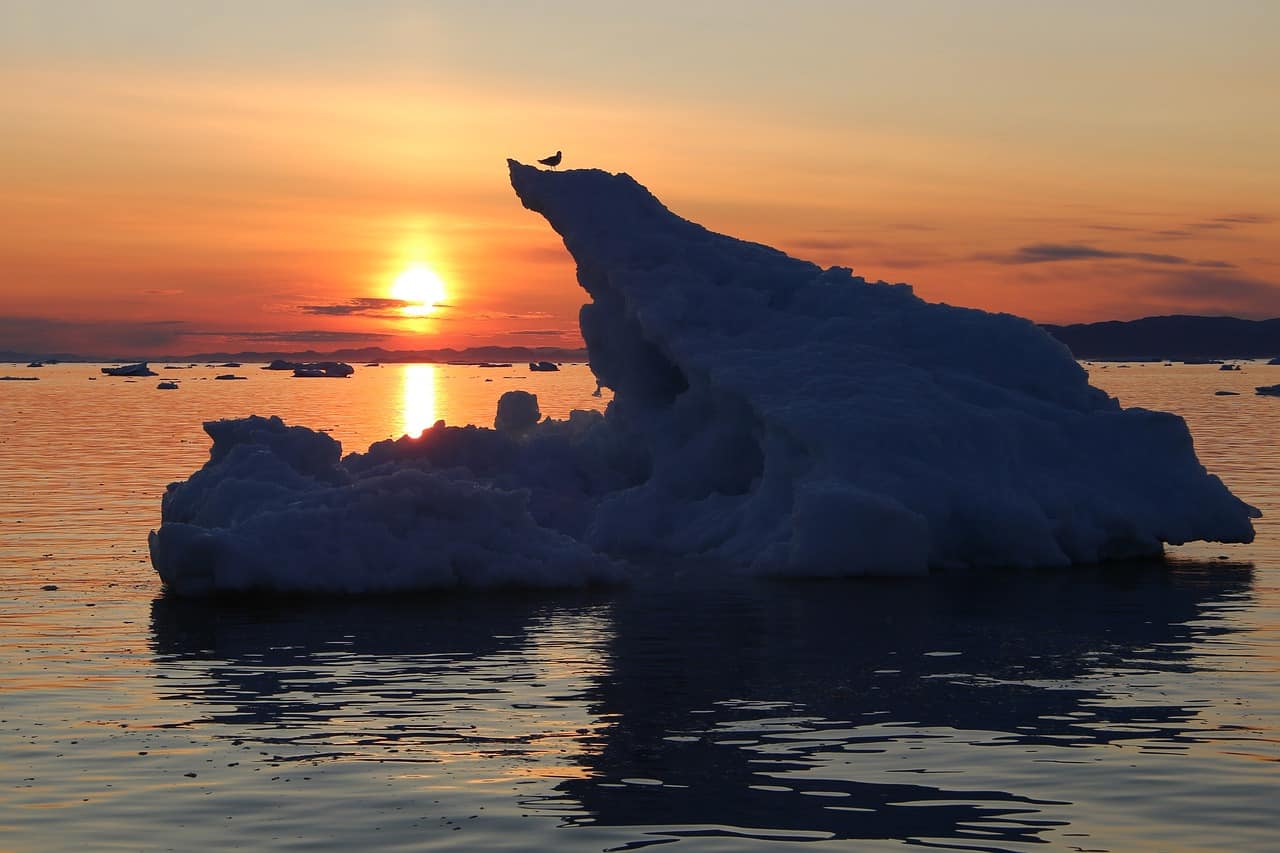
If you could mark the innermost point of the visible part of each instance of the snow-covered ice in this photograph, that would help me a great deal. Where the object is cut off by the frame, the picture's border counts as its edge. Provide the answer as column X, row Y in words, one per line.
column 768, row 415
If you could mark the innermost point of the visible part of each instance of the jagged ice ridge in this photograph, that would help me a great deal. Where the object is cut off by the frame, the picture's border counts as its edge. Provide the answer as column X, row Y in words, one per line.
column 768, row 415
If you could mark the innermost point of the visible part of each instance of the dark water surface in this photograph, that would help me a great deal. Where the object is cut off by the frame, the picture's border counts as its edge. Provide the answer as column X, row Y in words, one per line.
column 1119, row 708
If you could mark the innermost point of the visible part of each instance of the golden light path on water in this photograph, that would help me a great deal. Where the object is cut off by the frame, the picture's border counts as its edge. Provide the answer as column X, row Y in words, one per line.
column 418, row 400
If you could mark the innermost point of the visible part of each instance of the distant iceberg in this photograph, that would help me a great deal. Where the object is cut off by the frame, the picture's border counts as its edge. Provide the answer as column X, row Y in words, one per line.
column 768, row 416
column 139, row 369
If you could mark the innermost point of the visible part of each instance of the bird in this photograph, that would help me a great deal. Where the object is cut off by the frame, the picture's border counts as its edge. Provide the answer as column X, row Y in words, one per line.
column 552, row 161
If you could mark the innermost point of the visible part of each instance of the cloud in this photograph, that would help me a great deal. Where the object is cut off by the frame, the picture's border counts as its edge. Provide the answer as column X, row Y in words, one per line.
column 509, row 315
column 48, row 334
column 365, row 305
column 1243, row 219
column 1043, row 253
column 1226, row 223
column 1125, row 228
column 1231, row 293
column 303, row 335
column 1046, row 253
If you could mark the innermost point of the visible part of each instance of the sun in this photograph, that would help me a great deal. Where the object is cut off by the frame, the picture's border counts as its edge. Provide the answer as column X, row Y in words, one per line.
column 420, row 288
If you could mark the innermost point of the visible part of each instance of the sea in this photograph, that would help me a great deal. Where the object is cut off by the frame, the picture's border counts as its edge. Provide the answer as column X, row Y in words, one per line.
column 1130, row 706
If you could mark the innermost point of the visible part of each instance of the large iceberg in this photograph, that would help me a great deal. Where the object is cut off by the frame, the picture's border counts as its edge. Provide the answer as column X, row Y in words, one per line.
column 768, row 415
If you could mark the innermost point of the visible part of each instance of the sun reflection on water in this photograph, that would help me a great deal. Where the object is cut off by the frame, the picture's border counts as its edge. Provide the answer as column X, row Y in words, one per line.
column 419, row 398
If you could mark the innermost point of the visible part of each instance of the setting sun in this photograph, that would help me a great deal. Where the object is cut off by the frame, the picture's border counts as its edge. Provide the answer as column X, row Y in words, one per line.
column 421, row 288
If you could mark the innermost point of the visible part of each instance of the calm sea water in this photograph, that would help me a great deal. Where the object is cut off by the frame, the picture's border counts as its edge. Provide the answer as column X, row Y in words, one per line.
column 1128, row 707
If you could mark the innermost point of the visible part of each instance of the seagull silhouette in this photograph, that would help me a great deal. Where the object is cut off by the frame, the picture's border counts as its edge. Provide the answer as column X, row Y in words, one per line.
column 552, row 161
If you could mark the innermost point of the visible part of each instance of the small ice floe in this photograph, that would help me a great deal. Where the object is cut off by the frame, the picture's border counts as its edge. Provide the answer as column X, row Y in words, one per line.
column 139, row 369
column 230, row 364
column 373, row 364
column 1268, row 390
column 1226, row 393
column 229, row 376
column 1229, row 367
column 167, row 386
column 1275, row 360
column 19, row 378
column 36, row 364
column 517, row 411
column 323, row 370
column 543, row 366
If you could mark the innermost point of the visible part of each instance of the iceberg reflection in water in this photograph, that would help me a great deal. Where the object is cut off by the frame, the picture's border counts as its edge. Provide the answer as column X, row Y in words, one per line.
column 994, row 709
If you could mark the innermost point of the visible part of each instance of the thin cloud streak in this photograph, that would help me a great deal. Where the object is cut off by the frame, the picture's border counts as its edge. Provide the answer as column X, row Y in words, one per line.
column 1044, row 253
column 362, row 305
column 305, row 335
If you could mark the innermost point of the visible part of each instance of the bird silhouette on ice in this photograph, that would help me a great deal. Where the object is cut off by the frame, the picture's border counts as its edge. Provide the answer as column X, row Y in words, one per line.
column 552, row 161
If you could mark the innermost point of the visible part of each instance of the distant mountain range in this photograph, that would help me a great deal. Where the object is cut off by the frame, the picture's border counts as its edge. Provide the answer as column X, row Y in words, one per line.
column 1178, row 337
column 363, row 355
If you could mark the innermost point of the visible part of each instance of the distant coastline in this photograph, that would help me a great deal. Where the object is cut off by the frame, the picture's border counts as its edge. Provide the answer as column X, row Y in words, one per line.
column 363, row 355
column 1177, row 337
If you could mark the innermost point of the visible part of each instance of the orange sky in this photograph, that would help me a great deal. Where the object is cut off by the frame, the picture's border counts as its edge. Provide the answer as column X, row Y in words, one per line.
column 181, row 179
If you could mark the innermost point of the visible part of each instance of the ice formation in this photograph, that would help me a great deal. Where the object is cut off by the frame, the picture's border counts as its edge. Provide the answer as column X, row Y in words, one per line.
column 768, row 415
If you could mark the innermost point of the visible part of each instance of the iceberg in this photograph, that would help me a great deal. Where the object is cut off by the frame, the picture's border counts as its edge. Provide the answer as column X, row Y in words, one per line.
column 323, row 370
column 139, row 369
column 768, row 416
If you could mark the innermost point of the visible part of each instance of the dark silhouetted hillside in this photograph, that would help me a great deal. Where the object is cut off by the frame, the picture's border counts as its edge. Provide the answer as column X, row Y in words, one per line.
column 1177, row 337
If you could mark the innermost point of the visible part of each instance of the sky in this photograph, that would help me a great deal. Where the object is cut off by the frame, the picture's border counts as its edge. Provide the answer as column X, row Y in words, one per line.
column 199, row 177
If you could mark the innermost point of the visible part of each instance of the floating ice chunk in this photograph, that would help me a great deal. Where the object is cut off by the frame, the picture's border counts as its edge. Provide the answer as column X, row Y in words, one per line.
column 767, row 414
column 517, row 410
column 323, row 370
column 139, row 369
